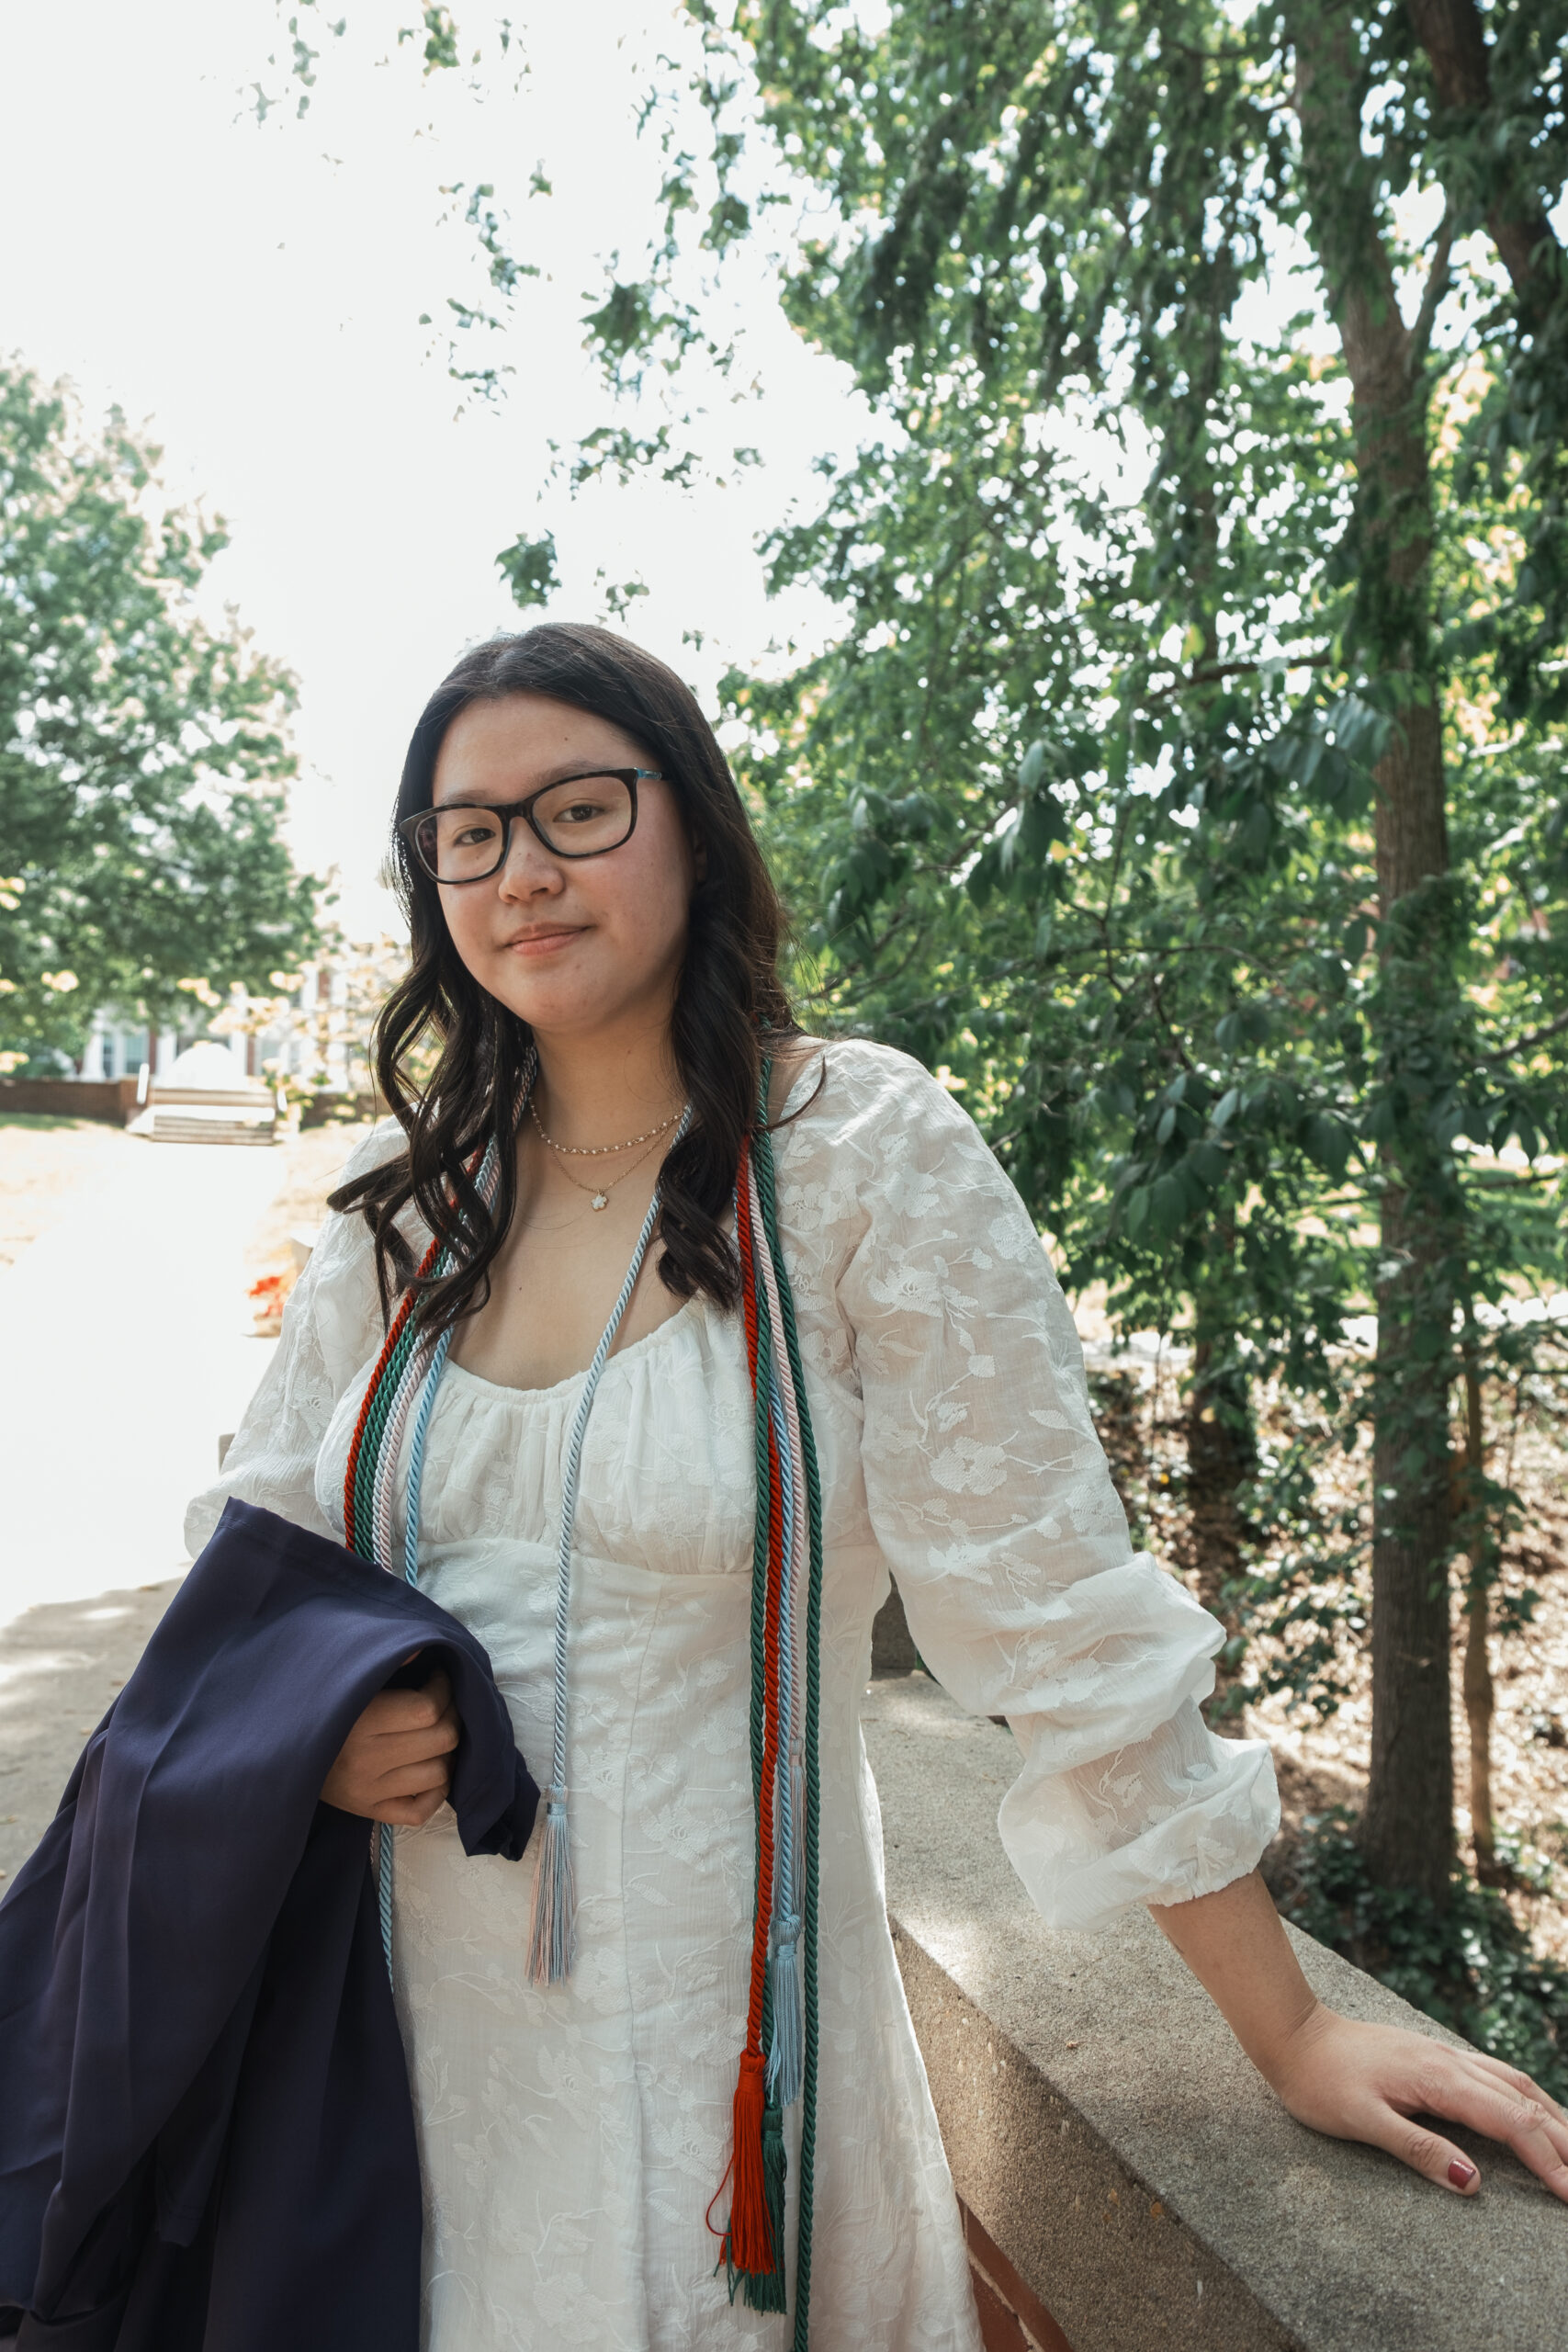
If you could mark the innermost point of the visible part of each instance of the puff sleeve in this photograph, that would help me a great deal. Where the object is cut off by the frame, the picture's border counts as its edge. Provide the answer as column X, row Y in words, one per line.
column 993, row 1504
column 331, row 1325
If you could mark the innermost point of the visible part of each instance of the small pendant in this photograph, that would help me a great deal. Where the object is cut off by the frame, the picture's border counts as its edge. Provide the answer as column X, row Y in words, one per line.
column 601, row 1200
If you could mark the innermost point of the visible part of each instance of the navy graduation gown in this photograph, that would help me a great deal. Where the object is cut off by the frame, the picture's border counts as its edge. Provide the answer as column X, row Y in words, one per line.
column 206, row 2139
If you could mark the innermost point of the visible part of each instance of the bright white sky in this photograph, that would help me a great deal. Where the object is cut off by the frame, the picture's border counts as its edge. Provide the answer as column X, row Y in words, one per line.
column 253, row 294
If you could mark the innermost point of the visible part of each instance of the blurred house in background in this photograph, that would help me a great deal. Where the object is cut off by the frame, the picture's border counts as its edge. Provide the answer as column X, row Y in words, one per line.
column 299, row 1034
column 312, row 1038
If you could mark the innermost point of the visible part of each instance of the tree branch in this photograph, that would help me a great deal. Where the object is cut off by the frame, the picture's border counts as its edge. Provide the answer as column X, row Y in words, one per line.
column 1173, row 1035
column 1432, row 293
column 1211, row 673
column 1528, row 1042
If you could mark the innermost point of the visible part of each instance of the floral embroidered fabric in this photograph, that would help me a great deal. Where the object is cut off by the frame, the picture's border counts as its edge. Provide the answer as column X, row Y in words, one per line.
column 572, row 2135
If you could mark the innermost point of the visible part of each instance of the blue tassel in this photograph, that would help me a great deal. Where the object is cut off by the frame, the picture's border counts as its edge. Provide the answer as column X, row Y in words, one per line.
column 552, row 1947
column 786, row 2060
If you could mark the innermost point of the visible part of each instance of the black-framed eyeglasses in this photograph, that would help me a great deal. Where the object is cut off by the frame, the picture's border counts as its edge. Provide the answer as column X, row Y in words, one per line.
column 582, row 816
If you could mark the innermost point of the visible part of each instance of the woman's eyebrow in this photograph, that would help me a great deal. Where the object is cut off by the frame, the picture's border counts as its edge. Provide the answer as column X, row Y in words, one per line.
column 561, row 773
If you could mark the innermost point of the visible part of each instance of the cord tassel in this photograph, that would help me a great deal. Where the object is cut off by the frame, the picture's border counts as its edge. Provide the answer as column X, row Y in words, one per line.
column 552, row 1945
column 767, row 2293
column 749, row 2235
column 788, row 2057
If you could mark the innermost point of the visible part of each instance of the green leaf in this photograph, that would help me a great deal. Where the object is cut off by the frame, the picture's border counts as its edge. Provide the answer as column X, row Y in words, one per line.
column 528, row 566
column 1327, row 1142
column 1167, row 1205
column 1209, row 1163
column 1257, row 830
column 1306, row 756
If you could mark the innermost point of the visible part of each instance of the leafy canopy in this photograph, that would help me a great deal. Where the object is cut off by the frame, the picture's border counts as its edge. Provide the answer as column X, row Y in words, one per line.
column 1150, row 591
column 142, row 753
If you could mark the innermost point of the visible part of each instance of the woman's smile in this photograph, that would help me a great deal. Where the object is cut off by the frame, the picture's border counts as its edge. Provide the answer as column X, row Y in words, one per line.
column 545, row 939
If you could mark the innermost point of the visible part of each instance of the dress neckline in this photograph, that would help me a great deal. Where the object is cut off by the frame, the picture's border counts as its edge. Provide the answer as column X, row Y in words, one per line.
column 809, row 1066
column 627, row 1354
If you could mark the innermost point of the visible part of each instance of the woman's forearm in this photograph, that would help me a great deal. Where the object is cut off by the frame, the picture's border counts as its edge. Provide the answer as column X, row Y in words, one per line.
column 1235, row 1946
column 1357, row 2081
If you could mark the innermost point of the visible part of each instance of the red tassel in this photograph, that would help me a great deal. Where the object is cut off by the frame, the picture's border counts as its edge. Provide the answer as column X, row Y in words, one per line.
column 750, row 2233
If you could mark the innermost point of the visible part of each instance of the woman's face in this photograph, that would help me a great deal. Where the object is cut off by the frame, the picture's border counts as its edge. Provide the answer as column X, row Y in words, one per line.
column 570, row 945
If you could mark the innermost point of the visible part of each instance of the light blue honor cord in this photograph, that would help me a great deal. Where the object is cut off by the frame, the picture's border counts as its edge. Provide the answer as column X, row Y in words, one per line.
column 555, row 1793
column 555, row 1919
column 786, row 2055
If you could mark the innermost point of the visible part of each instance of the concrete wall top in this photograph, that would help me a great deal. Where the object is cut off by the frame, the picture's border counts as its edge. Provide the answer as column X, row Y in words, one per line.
column 1110, row 2137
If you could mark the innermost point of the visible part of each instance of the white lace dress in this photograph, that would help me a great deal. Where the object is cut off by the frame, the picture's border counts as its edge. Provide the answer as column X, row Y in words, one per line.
column 572, row 2136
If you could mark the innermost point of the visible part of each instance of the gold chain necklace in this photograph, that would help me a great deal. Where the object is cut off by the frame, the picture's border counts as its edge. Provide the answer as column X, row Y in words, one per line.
column 601, row 1192
column 599, row 1150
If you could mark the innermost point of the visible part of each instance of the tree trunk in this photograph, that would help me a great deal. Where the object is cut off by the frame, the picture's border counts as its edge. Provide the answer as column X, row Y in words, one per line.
column 1407, row 1823
column 1478, row 1692
column 1408, row 1826
column 1222, row 1447
column 1478, row 1708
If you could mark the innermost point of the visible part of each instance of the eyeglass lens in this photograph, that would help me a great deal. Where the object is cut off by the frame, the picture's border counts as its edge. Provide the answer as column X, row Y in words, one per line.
column 579, row 818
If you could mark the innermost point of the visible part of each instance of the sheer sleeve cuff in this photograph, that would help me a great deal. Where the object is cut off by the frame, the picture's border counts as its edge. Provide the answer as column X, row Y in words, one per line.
column 1183, row 1815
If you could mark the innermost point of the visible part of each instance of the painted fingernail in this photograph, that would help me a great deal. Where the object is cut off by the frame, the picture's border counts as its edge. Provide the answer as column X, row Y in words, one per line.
column 1461, row 2174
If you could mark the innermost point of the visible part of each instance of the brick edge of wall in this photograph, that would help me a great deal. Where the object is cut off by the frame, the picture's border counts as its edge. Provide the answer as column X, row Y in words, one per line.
column 108, row 1100
column 1013, row 2317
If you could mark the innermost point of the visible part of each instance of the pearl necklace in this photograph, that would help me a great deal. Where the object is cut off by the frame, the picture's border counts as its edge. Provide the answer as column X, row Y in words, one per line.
column 600, row 1192
column 600, row 1150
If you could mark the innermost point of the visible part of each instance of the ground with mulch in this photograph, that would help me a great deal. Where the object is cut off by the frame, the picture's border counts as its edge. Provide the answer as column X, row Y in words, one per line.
column 314, row 1159
column 1322, row 1763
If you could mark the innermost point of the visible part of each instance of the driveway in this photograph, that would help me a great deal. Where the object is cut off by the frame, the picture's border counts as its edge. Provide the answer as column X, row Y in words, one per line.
column 126, row 1352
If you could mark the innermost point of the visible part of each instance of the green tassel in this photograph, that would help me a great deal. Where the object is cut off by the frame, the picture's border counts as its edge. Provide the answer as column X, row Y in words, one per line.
column 767, row 2293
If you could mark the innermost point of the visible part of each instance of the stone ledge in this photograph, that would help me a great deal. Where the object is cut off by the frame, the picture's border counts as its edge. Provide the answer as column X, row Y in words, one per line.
column 1115, row 2146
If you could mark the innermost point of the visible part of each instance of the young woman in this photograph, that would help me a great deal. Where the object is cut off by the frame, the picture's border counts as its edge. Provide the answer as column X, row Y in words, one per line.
column 607, row 2046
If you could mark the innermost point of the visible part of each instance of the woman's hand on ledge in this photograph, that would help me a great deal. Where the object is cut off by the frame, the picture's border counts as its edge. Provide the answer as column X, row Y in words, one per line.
column 1375, row 2082
column 394, row 1764
column 1357, row 2082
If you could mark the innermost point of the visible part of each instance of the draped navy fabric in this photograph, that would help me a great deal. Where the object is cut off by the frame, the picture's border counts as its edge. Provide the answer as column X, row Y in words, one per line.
column 206, row 2139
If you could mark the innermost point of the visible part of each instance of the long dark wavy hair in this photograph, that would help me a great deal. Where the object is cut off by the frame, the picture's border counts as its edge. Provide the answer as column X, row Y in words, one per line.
column 730, row 1007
